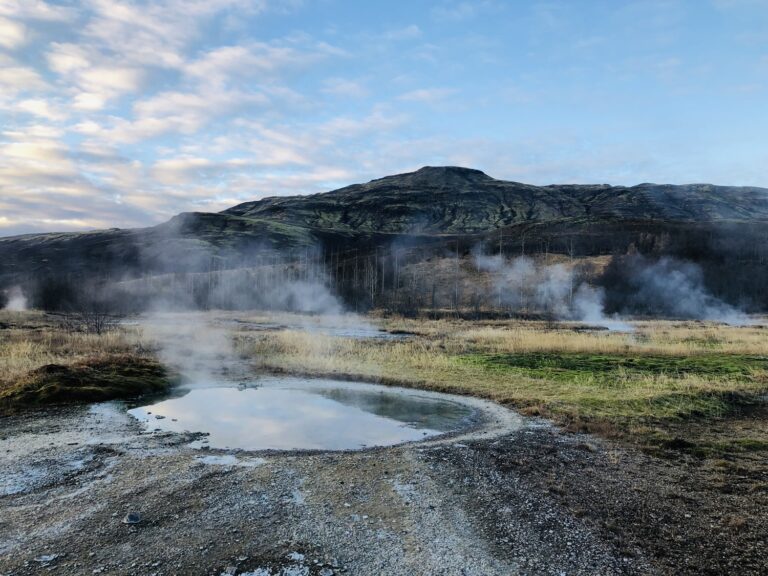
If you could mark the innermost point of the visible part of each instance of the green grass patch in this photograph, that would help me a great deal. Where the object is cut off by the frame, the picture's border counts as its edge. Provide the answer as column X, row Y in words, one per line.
column 601, row 367
column 623, row 390
column 95, row 380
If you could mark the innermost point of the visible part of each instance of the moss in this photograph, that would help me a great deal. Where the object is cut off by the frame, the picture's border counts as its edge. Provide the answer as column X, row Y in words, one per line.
column 94, row 380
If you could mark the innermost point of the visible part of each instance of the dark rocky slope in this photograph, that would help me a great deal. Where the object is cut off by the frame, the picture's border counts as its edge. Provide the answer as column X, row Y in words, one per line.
column 435, row 209
column 464, row 201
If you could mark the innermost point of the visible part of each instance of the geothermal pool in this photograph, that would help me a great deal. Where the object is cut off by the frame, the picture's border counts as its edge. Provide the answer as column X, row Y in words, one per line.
column 303, row 414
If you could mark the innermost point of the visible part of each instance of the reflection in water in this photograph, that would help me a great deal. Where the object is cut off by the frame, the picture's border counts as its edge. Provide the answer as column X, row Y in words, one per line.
column 286, row 414
column 419, row 412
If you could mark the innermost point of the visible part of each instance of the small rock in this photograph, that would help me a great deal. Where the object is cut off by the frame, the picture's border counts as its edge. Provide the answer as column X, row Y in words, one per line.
column 132, row 518
column 46, row 558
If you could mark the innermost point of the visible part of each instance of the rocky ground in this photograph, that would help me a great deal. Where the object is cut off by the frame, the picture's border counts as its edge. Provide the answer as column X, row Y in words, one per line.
column 518, row 497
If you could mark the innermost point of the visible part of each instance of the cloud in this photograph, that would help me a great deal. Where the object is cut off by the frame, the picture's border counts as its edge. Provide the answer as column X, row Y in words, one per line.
column 12, row 34
column 67, row 58
column 93, row 78
column 17, row 79
column 42, row 108
column 255, row 59
column 33, row 164
column 181, row 112
column 344, row 87
column 186, row 170
column 463, row 10
column 405, row 33
column 427, row 95
column 36, row 10
column 456, row 11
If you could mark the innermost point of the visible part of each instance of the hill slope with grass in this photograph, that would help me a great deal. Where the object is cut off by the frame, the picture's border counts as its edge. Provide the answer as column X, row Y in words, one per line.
column 445, row 208
column 453, row 200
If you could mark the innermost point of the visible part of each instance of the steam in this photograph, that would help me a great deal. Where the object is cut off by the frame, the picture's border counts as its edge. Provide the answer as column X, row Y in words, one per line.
column 673, row 288
column 553, row 289
column 16, row 300
column 196, row 344
column 191, row 345
column 637, row 285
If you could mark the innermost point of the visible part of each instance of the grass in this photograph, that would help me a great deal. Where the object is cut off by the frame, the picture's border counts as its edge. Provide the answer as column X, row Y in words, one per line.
column 619, row 384
column 653, row 385
column 613, row 368
column 43, row 361
column 553, row 368
column 94, row 380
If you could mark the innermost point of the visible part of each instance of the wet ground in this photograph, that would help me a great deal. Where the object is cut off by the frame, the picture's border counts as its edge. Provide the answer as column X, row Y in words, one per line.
column 93, row 490
column 89, row 490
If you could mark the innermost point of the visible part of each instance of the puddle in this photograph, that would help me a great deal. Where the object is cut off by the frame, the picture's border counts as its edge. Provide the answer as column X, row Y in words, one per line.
column 299, row 414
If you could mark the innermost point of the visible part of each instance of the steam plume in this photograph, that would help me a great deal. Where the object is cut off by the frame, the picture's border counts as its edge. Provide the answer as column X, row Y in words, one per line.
column 16, row 300
column 553, row 289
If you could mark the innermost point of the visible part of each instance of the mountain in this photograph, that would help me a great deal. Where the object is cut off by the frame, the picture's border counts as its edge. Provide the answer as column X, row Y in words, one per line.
column 453, row 200
column 433, row 205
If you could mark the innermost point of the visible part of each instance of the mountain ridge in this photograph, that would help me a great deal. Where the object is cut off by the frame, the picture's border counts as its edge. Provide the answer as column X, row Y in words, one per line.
column 447, row 180
column 435, row 204
column 404, row 201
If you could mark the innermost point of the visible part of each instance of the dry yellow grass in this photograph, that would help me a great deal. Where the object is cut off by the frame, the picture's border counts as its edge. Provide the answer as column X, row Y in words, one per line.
column 441, row 357
column 32, row 340
column 677, row 368
column 648, row 337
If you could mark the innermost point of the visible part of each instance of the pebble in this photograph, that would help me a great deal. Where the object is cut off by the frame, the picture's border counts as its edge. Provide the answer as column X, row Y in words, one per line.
column 132, row 518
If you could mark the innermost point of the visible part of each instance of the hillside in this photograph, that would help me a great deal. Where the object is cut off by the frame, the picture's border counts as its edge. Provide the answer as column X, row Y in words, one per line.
column 431, row 211
column 464, row 201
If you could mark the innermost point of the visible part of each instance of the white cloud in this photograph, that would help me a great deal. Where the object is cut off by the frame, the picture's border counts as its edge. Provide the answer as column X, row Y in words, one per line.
column 156, row 33
column 110, row 80
column 345, row 87
column 89, row 101
column 16, row 79
column 406, row 33
column 256, row 60
column 94, row 78
column 67, row 58
column 451, row 11
column 183, row 112
column 427, row 95
column 12, row 34
column 457, row 11
column 42, row 108
column 34, row 132
column 36, row 10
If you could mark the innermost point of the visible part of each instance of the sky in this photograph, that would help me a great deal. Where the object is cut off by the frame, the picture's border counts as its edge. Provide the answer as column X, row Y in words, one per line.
column 123, row 113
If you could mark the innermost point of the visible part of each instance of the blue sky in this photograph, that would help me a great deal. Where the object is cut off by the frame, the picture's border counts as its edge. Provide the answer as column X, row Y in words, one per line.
column 118, row 113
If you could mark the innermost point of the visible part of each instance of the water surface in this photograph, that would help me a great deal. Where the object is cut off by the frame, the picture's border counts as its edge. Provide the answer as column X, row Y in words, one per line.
column 299, row 414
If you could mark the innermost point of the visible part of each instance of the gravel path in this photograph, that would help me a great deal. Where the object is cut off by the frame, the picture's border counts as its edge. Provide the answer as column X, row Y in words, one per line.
column 516, row 497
